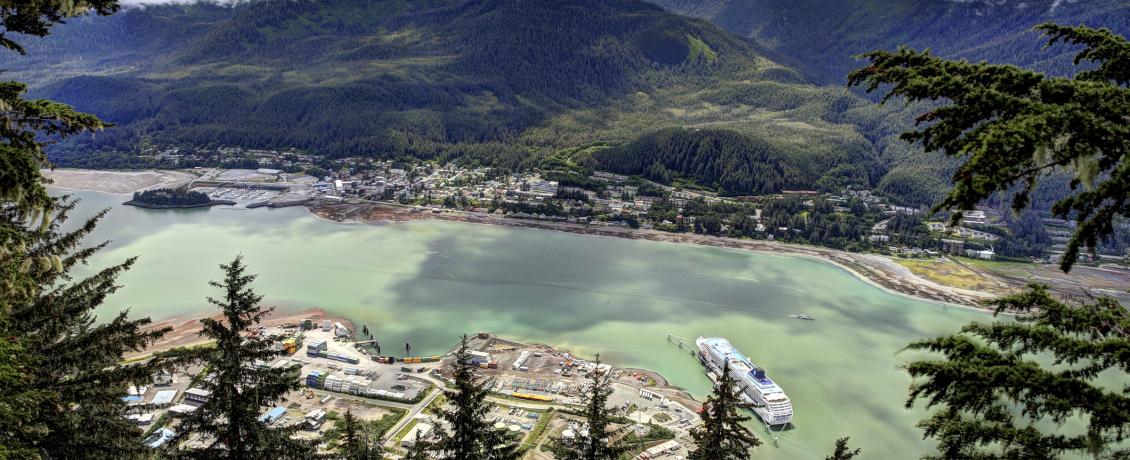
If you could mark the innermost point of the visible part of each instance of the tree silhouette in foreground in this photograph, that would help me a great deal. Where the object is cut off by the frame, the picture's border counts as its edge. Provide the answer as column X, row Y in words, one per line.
column 843, row 452
column 228, row 425
column 995, row 391
column 356, row 444
column 722, row 435
column 471, row 435
column 598, row 445
column 66, row 382
column 1013, row 126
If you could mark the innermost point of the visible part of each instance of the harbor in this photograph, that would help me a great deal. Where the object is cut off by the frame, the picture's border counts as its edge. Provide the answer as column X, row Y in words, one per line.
column 534, row 390
column 588, row 295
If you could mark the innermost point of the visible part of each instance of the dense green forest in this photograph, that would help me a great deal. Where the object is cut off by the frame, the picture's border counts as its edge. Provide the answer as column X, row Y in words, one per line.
column 385, row 78
column 170, row 198
column 820, row 37
column 733, row 163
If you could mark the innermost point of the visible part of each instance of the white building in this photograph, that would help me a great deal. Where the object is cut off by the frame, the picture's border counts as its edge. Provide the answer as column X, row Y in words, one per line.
column 973, row 217
column 197, row 395
column 660, row 450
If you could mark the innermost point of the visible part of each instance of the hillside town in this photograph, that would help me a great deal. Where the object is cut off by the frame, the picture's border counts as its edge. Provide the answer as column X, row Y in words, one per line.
column 854, row 220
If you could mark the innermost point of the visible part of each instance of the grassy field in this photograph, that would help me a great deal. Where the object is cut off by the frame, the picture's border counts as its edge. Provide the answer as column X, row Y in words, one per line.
column 1000, row 267
column 404, row 431
column 947, row 272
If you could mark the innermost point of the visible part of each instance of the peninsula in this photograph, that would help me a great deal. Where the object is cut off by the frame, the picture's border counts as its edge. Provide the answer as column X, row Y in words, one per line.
column 170, row 198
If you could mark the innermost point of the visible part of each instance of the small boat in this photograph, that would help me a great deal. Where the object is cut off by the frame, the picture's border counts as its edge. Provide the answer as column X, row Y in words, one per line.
column 802, row 316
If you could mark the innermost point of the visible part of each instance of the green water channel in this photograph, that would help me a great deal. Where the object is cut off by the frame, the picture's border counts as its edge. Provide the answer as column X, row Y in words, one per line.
column 428, row 282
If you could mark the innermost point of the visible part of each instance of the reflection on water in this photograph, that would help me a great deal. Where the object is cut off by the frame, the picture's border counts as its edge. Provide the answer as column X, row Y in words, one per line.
column 427, row 282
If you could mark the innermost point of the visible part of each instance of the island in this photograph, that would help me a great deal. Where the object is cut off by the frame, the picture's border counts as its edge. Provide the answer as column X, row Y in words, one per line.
column 168, row 198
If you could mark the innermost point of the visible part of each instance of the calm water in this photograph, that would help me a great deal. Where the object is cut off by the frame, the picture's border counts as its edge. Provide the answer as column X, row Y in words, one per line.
column 428, row 282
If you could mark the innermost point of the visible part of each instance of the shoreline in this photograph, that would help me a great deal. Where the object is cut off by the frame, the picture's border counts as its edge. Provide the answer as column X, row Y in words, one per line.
column 875, row 270
column 186, row 328
column 180, row 206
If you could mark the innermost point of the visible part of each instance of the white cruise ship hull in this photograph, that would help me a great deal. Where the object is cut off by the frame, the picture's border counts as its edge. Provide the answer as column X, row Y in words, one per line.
column 769, row 401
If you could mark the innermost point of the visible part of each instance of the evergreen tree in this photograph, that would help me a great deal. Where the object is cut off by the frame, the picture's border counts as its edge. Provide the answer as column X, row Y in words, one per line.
column 23, row 121
column 471, row 436
column 722, row 435
column 996, row 391
column 66, row 398
column 59, row 368
column 843, row 452
column 419, row 450
column 356, row 444
column 228, row 425
column 598, row 444
column 1014, row 126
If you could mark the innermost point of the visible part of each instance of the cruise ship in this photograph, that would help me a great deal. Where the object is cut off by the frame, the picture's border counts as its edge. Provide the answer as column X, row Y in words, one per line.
column 769, row 400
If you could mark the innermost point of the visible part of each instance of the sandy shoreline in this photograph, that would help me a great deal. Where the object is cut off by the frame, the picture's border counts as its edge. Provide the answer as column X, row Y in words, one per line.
column 115, row 182
column 186, row 330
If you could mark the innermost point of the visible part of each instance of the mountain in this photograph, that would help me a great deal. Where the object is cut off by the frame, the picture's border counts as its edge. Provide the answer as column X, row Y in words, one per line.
column 505, row 82
column 821, row 36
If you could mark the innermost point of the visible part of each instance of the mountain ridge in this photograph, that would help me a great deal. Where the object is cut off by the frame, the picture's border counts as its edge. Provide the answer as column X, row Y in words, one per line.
column 502, row 82
column 821, row 36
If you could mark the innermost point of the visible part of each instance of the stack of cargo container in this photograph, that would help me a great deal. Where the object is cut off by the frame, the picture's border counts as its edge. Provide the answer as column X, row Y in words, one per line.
column 385, row 359
column 341, row 357
column 315, row 378
column 358, row 384
column 290, row 345
column 384, row 394
column 420, row 359
column 353, row 384
column 333, row 383
column 316, row 348
column 520, row 363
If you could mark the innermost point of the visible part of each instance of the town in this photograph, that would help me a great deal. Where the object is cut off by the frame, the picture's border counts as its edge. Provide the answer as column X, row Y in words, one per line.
column 560, row 191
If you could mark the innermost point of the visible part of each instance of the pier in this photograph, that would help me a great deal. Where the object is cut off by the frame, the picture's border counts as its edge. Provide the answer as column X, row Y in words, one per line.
column 684, row 344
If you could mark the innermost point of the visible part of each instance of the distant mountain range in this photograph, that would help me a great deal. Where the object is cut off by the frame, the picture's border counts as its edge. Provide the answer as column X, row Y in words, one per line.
column 512, row 82
column 821, row 36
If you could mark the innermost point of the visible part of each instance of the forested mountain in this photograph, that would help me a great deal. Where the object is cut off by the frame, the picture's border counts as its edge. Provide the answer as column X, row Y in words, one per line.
column 500, row 81
column 737, row 164
column 343, row 77
column 507, row 82
column 821, row 36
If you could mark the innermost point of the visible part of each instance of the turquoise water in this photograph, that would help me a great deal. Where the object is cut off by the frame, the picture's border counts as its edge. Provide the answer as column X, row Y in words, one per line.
column 427, row 282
